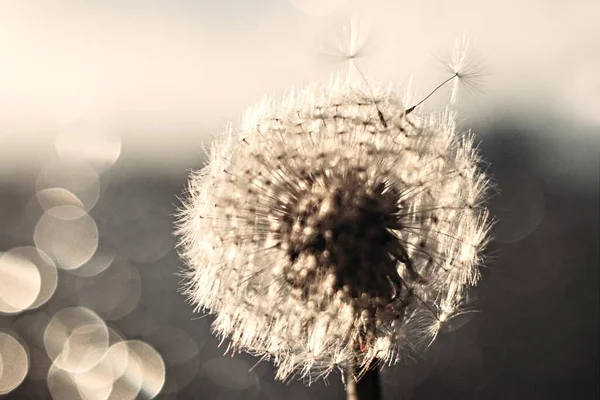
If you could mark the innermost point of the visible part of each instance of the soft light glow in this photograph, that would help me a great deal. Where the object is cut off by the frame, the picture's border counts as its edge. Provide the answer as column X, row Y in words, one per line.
column 55, row 197
column 70, row 239
column 14, row 362
column 20, row 282
column 77, row 177
column 76, row 339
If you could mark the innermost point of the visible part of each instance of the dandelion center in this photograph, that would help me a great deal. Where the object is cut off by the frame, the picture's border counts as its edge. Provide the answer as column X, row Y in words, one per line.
column 342, row 226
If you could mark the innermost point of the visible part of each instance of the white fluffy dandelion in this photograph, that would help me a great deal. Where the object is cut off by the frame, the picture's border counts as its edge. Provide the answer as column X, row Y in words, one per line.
column 334, row 228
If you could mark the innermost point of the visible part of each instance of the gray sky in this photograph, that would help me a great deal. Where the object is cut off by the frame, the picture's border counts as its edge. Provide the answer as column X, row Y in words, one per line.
column 164, row 75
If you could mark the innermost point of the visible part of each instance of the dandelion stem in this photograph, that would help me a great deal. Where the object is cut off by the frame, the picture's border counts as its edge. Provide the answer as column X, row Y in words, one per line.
column 364, row 387
column 408, row 111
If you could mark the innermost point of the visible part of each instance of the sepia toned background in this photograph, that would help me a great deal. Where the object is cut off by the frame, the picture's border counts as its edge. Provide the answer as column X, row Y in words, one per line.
column 105, row 107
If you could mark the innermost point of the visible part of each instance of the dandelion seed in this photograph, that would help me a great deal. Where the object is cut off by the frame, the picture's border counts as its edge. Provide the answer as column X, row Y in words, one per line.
column 467, row 71
column 352, row 43
column 334, row 229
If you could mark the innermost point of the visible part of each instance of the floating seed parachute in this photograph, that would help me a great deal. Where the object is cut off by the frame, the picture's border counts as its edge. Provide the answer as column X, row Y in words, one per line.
column 337, row 226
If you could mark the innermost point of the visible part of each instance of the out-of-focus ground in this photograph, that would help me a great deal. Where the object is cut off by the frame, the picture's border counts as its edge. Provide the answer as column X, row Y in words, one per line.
column 98, row 131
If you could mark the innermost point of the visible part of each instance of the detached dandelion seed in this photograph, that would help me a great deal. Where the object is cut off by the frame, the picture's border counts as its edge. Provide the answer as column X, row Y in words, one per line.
column 467, row 71
column 334, row 229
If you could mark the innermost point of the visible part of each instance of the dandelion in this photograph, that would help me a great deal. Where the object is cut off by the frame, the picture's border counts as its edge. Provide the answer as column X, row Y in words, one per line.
column 336, row 228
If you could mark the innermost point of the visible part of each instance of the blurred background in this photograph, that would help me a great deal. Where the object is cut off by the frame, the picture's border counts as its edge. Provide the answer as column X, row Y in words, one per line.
column 105, row 106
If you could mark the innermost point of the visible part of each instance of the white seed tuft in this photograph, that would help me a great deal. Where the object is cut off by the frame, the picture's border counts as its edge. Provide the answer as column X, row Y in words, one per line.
column 334, row 227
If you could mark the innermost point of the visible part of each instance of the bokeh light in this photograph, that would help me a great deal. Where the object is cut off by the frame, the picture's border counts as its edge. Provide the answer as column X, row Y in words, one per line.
column 20, row 282
column 77, row 177
column 100, row 261
column 46, row 269
column 88, row 143
column 76, row 339
column 62, row 385
column 128, row 370
column 55, row 197
column 30, row 327
column 68, row 235
column 14, row 361
column 117, row 376
column 145, row 361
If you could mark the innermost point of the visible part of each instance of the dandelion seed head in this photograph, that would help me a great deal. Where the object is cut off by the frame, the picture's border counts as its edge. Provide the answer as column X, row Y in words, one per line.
column 334, row 227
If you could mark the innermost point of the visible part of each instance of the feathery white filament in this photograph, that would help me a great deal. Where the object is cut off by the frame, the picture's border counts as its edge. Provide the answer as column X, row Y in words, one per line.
column 327, row 229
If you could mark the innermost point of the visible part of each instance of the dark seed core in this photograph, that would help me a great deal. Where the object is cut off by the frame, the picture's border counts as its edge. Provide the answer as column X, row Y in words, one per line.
column 346, row 223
